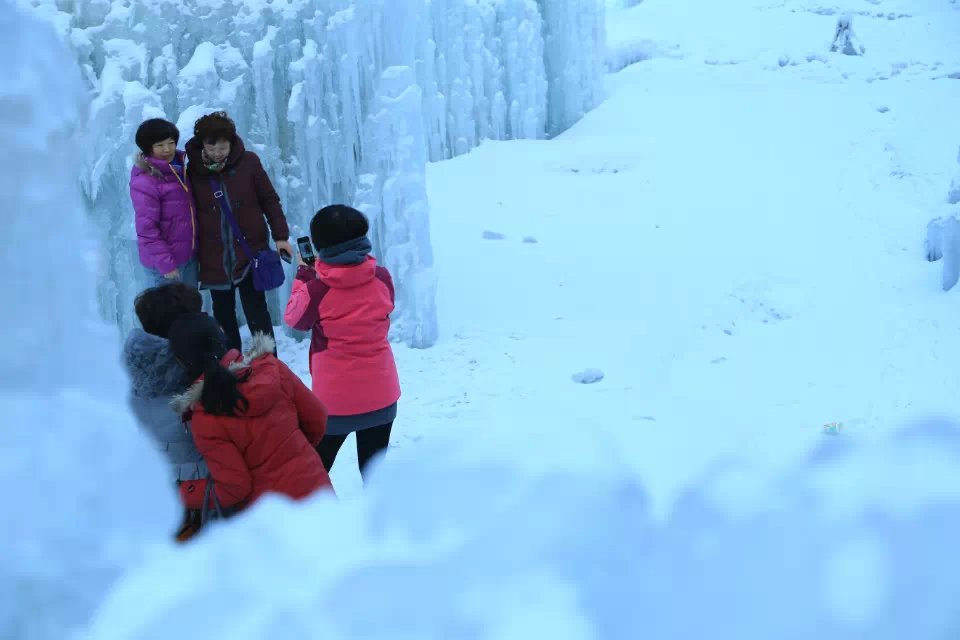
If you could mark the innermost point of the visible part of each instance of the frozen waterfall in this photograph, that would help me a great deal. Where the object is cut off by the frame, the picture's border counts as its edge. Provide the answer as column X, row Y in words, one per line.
column 344, row 101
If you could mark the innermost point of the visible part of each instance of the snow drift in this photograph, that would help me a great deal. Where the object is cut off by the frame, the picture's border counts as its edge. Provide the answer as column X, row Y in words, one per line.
column 344, row 101
column 483, row 541
column 82, row 491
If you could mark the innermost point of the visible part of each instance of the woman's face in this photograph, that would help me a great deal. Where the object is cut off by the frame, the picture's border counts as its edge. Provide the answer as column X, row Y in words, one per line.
column 164, row 150
column 217, row 150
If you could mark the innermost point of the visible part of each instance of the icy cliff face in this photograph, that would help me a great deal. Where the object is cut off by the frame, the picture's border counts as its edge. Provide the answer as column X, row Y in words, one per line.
column 82, row 491
column 344, row 101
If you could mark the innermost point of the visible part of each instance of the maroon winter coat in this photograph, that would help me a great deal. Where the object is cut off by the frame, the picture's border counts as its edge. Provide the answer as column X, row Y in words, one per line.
column 254, row 202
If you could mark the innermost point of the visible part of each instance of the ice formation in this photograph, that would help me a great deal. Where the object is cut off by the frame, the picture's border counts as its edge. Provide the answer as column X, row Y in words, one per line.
column 845, row 40
column 953, row 194
column 943, row 237
column 82, row 490
column 345, row 102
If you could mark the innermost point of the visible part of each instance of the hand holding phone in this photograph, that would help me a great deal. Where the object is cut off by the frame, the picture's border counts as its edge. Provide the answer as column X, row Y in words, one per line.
column 306, row 250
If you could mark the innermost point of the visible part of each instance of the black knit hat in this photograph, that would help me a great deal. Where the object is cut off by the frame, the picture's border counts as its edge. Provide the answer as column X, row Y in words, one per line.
column 337, row 224
column 155, row 130
column 195, row 339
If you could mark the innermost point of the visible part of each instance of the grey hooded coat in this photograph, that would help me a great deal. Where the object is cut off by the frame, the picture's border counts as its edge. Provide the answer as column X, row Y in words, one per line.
column 155, row 378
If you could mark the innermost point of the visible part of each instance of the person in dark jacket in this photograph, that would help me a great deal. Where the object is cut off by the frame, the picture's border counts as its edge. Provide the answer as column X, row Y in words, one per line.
column 156, row 378
column 219, row 162
column 253, row 420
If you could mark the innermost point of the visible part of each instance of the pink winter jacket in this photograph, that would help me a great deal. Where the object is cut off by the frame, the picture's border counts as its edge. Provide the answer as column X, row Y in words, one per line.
column 347, row 308
column 163, row 213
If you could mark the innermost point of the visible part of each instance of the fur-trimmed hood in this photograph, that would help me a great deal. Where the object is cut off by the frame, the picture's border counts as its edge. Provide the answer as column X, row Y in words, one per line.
column 261, row 345
column 156, row 169
column 153, row 371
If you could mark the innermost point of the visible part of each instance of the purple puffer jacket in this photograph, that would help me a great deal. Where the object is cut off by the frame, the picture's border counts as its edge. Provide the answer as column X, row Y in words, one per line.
column 164, row 214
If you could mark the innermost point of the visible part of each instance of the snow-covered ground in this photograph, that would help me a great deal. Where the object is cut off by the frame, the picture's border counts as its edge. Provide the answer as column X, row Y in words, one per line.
column 736, row 245
column 735, row 240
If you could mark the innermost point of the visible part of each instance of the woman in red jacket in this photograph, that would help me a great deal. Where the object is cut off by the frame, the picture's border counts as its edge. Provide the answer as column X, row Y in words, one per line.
column 253, row 420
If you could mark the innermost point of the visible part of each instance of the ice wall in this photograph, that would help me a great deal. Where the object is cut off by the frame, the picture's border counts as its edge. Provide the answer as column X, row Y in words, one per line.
column 345, row 101
column 575, row 52
column 81, row 491
column 480, row 540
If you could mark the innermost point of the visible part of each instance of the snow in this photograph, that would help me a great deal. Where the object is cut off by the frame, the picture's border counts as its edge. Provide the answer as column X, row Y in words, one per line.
column 588, row 376
column 953, row 196
column 83, row 492
column 734, row 238
column 305, row 82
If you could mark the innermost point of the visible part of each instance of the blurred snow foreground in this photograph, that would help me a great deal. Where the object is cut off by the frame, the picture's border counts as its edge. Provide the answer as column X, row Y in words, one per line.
column 482, row 541
column 81, row 492
column 344, row 100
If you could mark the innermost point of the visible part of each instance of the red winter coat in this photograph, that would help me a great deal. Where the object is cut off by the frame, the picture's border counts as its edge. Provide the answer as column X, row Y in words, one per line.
column 270, row 447
column 348, row 309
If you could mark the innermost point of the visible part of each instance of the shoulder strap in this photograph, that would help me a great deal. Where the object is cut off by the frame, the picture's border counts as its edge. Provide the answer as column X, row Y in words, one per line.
column 206, row 513
column 219, row 193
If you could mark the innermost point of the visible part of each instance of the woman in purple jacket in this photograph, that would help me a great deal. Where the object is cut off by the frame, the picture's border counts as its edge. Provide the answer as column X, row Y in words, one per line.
column 163, row 206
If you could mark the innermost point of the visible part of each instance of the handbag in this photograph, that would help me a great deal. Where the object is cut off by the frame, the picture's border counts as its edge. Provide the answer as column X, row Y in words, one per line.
column 267, row 269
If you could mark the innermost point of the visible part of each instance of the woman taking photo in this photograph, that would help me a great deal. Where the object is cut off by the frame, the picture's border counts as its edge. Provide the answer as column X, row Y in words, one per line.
column 253, row 420
column 234, row 198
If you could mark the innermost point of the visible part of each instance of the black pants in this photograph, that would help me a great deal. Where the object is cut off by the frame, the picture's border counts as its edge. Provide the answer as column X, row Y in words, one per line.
column 254, row 307
column 370, row 442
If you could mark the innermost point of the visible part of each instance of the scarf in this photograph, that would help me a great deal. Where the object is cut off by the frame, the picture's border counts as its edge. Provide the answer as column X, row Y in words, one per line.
column 346, row 253
column 215, row 167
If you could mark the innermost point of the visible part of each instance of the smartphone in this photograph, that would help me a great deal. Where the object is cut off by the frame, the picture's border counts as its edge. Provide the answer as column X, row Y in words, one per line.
column 285, row 256
column 306, row 250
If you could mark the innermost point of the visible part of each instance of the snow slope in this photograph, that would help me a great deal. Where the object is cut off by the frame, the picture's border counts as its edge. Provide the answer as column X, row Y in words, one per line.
column 735, row 239
column 83, row 494
column 735, row 243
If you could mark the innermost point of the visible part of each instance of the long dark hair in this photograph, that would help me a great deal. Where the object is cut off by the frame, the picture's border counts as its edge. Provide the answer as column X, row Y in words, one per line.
column 199, row 344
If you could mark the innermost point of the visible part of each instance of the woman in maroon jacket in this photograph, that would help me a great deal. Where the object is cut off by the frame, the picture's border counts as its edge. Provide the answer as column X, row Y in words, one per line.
column 253, row 420
column 219, row 162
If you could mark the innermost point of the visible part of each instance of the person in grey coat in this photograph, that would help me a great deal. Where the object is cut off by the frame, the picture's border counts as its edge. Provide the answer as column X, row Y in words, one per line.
column 156, row 376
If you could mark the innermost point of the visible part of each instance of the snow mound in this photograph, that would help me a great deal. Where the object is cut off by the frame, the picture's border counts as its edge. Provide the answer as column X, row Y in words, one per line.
column 485, row 541
column 82, row 489
column 588, row 376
